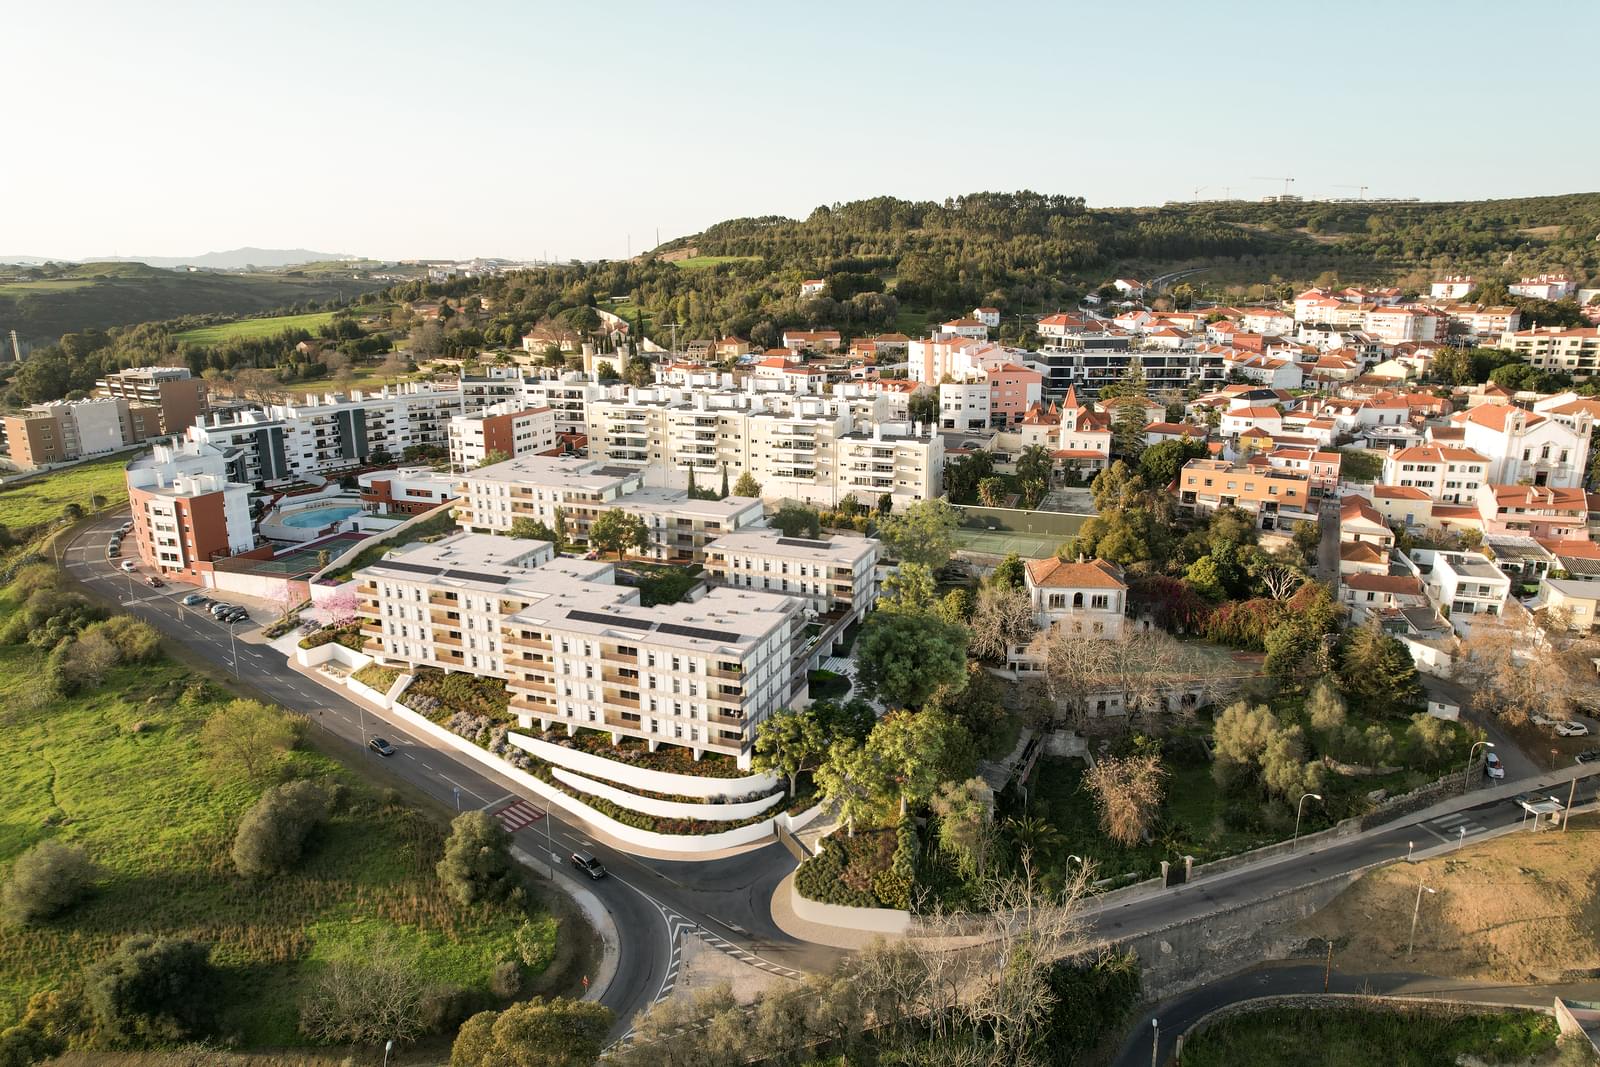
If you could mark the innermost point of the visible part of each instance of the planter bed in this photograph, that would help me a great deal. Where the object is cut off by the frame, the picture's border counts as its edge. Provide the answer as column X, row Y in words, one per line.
column 844, row 871
column 439, row 695
column 348, row 635
column 671, row 759
column 376, row 678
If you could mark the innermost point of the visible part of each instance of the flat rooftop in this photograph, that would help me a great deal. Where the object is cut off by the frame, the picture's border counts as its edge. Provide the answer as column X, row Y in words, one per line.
column 677, row 501
column 554, row 472
column 482, row 561
column 843, row 551
column 732, row 619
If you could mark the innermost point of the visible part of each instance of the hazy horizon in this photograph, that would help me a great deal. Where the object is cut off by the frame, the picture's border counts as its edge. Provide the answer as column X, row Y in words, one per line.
column 520, row 131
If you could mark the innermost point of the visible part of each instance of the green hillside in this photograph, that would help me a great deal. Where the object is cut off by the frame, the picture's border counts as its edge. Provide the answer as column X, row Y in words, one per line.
column 101, row 295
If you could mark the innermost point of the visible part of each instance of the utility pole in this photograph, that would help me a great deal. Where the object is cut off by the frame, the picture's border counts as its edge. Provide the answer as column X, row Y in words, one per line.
column 1572, row 794
column 1327, row 970
column 1415, row 911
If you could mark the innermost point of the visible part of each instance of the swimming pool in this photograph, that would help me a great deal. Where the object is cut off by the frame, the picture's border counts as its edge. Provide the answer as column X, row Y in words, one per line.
column 316, row 518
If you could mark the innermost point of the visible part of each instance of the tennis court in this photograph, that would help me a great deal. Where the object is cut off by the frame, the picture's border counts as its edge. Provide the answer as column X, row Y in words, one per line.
column 1003, row 542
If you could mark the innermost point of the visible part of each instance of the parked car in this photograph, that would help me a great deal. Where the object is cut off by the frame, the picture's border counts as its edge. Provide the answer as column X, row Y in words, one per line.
column 219, row 609
column 586, row 863
column 114, row 551
column 129, row 566
column 381, row 747
column 1542, row 720
column 125, row 529
column 1572, row 729
column 154, row 582
column 1493, row 767
column 1591, row 755
column 192, row 599
column 236, row 615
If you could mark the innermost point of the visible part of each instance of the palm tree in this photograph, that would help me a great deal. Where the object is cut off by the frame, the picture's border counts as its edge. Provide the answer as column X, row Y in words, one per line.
column 1033, row 835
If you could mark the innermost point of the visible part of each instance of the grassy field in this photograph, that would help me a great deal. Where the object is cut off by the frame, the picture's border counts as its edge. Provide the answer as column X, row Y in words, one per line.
column 40, row 500
column 1519, row 908
column 253, row 328
column 1361, row 1037
column 698, row 262
column 118, row 771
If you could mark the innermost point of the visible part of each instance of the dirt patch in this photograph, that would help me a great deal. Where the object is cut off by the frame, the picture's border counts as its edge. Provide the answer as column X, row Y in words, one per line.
column 1520, row 908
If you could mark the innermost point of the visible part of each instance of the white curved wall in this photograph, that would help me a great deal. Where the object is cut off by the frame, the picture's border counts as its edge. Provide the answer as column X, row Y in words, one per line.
column 692, row 785
column 667, row 809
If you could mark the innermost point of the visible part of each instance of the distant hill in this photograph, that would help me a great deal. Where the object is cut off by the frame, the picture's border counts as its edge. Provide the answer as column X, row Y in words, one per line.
column 234, row 259
column 104, row 294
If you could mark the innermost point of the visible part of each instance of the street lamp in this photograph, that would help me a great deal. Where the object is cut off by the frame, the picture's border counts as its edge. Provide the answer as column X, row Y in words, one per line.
column 1415, row 910
column 1155, row 1040
column 1298, row 810
column 388, row 1046
column 1468, row 769
column 233, row 644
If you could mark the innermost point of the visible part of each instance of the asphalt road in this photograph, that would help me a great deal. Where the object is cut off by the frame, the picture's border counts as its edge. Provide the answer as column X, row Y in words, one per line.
column 1275, row 979
column 653, row 902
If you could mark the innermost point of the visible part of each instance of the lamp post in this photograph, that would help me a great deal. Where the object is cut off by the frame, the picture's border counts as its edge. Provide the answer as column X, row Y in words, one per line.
column 1298, row 809
column 1572, row 794
column 1155, row 1040
column 388, row 1046
column 1409, row 846
column 1466, row 771
column 233, row 645
column 1416, row 909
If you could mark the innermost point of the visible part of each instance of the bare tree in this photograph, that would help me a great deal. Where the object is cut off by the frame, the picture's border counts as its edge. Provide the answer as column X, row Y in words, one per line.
column 1279, row 580
column 366, row 999
column 1002, row 618
column 1512, row 677
column 1127, row 793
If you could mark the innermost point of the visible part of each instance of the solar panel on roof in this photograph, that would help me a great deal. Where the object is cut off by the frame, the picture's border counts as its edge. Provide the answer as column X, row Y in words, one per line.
column 610, row 620
column 695, row 631
column 410, row 568
column 472, row 576
column 803, row 542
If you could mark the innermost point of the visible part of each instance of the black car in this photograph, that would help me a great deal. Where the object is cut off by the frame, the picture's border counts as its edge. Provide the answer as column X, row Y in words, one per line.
column 1591, row 755
column 381, row 747
column 589, row 865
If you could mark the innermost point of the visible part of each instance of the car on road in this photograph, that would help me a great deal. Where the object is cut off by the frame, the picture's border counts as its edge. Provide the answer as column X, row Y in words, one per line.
column 1493, row 767
column 192, row 599
column 1572, row 729
column 129, row 566
column 583, row 861
column 154, row 582
column 381, row 747
column 125, row 529
column 1591, row 755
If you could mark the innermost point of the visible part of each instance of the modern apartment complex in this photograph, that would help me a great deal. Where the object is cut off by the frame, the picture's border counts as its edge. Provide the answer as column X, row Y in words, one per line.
column 577, row 650
column 835, row 576
column 186, row 511
column 505, row 428
column 537, row 487
column 178, row 397
column 64, row 430
column 1277, row 499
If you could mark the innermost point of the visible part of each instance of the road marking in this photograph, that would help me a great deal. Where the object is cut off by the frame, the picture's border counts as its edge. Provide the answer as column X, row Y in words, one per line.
column 516, row 815
column 1449, row 827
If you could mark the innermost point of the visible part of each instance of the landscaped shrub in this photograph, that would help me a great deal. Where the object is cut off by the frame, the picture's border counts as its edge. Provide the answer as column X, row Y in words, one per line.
column 273, row 833
column 845, row 870
column 348, row 635
column 45, row 881
column 460, row 692
column 152, row 990
column 672, row 759
column 378, row 678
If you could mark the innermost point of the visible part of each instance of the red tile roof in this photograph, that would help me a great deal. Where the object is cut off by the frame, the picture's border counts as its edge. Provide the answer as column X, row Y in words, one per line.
column 1059, row 574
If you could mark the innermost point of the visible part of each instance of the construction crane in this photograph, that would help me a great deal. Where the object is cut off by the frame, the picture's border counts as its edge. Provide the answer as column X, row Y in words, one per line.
column 1361, row 190
column 1227, row 190
column 1286, row 182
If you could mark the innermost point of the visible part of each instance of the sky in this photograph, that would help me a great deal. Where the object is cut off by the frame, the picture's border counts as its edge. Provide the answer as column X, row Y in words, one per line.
column 525, row 129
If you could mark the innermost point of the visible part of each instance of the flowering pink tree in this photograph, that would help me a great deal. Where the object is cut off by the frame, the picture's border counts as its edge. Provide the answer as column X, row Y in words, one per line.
column 338, row 607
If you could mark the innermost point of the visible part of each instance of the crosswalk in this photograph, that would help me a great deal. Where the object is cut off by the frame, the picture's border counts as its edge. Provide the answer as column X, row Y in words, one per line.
column 1454, row 827
column 516, row 815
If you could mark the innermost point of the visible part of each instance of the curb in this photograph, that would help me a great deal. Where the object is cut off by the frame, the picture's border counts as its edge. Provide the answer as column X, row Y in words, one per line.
column 593, row 910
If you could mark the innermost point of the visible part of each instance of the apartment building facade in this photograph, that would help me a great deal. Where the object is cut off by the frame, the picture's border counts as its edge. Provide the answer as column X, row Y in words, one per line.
column 178, row 397
column 1445, row 473
column 1275, row 499
column 186, row 510
column 578, row 651
column 505, row 428
column 836, row 576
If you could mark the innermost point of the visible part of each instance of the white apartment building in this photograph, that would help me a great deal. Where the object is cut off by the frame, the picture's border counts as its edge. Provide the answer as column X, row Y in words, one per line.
column 1544, row 287
column 1575, row 350
column 836, row 576
column 964, row 405
column 579, row 651
column 1447, row 474
column 1462, row 583
column 186, row 511
column 507, row 428
column 1451, row 287
column 536, row 487
column 1088, row 598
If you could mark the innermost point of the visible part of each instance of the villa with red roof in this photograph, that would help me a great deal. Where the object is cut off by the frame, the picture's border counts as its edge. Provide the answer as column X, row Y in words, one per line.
column 1082, row 597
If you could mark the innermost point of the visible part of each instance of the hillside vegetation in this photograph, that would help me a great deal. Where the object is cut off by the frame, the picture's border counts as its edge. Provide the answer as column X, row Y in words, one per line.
column 97, row 296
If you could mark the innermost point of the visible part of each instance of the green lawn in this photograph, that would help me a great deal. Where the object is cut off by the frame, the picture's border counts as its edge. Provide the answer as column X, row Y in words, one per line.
column 52, row 286
column 253, row 328
column 1357, row 1037
column 118, row 771
column 33, row 503
column 697, row 262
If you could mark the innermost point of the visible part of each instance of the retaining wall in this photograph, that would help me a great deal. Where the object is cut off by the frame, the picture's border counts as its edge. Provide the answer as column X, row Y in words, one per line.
column 667, row 809
column 332, row 652
column 692, row 785
column 872, row 920
column 688, row 844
